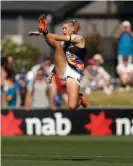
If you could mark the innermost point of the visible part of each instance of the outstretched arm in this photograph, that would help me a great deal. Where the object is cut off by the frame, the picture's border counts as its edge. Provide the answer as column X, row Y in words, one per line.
column 58, row 37
column 71, row 38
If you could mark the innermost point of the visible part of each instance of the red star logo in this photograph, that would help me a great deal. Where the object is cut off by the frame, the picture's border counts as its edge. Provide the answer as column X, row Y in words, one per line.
column 99, row 124
column 10, row 125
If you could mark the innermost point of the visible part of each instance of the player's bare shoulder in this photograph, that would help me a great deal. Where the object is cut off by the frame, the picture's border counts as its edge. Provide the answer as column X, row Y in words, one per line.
column 80, row 41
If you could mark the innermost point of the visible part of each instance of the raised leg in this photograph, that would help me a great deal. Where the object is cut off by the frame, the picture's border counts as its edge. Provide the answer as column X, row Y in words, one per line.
column 59, row 56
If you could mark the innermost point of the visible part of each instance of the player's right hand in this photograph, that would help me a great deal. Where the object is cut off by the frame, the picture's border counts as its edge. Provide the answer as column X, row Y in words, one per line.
column 34, row 33
column 49, row 79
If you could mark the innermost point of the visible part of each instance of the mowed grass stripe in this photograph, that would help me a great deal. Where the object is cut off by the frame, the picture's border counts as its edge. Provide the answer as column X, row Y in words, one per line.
column 69, row 150
column 70, row 137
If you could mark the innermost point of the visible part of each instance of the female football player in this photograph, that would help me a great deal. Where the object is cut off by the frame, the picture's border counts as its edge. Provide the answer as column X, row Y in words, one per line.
column 68, row 58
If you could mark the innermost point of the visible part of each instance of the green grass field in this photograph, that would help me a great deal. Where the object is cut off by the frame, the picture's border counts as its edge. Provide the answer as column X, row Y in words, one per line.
column 67, row 151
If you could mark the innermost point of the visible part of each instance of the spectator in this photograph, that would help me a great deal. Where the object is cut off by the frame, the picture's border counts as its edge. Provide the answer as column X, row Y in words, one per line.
column 11, row 93
column 125, row 43
column 46, row 64
column 30, row 76
column 102, row 77
column 125, row 73
column 95, row 76
column 61, row 92
column 88, row 76
column 9, row 67
column 39, row 93
column 22, row 90
column 3, row 83
column 3, row 71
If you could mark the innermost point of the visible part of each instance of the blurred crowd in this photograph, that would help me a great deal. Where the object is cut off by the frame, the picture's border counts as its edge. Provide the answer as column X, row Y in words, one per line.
column 30, row 90
column 125, row 56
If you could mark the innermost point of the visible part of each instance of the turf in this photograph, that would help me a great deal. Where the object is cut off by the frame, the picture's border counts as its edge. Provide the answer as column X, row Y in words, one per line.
column 98, row 98
column 67, row 151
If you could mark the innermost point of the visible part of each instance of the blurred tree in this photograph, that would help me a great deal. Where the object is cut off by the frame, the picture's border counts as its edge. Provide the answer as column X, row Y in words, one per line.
column 24, row 55
column 92, row 45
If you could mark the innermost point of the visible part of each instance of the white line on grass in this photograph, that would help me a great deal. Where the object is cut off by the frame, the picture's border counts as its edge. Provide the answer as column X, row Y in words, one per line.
column 15, row 155
column 130, row 157
column 22, row 155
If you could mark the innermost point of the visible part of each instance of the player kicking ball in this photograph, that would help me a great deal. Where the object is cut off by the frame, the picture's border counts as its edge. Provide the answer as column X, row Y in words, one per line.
column 68, row 58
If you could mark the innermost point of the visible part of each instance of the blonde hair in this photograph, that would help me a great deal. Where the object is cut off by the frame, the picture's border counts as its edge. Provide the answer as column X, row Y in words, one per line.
column 73, row 23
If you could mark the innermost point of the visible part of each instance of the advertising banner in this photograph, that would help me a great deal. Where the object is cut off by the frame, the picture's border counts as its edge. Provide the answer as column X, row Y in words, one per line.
column 64, row 122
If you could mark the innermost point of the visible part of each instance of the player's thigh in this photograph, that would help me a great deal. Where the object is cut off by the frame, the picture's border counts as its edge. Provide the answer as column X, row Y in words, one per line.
column 60, row 61
column 73, row 91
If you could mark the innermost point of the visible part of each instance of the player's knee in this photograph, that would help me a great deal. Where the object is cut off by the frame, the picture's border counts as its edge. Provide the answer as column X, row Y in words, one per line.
column 72, row 106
